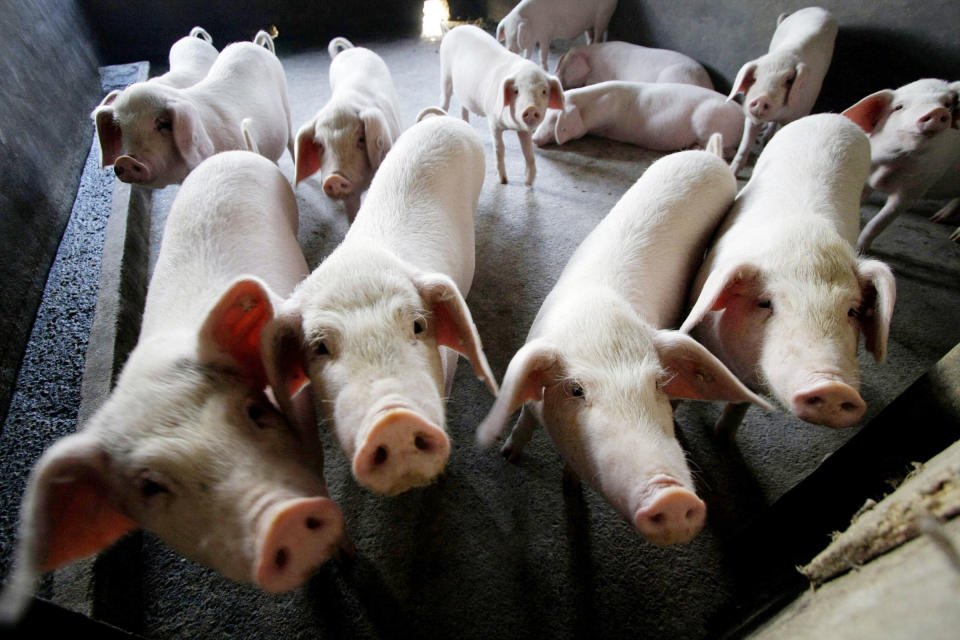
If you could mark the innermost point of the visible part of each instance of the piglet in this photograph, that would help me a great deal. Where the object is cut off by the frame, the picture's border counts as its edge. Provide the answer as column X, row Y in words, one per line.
column 914, row 146
column 187, row 444
column 783, row 84
column 377, row 325
column 602, row 61
column 600, row 365
column 534, row 23
column 190, row 59
column 661, row 117
column 512, row 93
column 154, row 134
column 782, row 297
column 347, row 140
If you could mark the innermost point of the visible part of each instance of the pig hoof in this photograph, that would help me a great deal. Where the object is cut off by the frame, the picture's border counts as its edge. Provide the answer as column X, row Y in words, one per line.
column 503, row 179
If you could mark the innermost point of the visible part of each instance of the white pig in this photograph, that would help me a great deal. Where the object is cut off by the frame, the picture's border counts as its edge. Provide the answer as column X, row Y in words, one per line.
column 512, row 93
column 535, row 23
column 347, row 140
column 187, row 444
column 657, row 116
column 783, row 84
column 782, row 297
column 915, row 148
column 154, row 134
column 377, row 324
column 599, row 366
column 190, row 59
column 602, row 61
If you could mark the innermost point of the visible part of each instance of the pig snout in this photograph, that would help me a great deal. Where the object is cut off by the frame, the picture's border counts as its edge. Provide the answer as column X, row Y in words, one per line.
column 671, row 514
column 760, row 106
column 299, row 535
column 937, row 120
column 831, row 403
column 131, row 171
column 401, row 450
column 531, row 116
column 336, row 186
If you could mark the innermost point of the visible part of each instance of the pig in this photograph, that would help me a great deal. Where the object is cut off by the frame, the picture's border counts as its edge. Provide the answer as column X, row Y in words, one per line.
column 657, row 116
column 377, row 326
column 602, row 61
column 512, row 93
column 600, row 363
column 914, row 146
column 535, row 23
column 190, row 59
column 187, row 444
column 783, row 84
column 154, row 134
column 781, row 297
column 347, row 140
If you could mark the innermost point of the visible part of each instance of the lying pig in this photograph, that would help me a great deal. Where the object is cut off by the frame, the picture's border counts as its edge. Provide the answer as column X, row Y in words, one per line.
column 915, row 148
column 347, row 140
column 512, row 93
column 534, row 23
column 602, row 61
column 661, row 117
column 782, row 297
column 187, row 444
column 377, row 324
column 155, row 134
column 783, row 84
column 190, row 59
column 599, row 366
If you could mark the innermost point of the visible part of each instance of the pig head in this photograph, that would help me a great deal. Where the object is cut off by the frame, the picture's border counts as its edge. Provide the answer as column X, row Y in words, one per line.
column 524, row 97
column 560, row 126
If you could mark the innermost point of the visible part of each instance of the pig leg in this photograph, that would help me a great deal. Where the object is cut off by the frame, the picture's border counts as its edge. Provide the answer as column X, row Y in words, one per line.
column 571, row 481
column 544, row 50
column 750, row 130
column 497, row 134
column 520, row 435
column 729, row 421
column 465, row 114
column 955, row 236
column 526, row 145
column 946, row 211
column 890, row 210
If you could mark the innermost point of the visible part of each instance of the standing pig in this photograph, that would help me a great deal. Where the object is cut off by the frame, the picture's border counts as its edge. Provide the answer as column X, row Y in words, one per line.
column 599, row 366
column 661, row 117
column 602, row 61
column 377, row 324
column 783, row 84
column 535, row 23
column 155, row 134
column 188, row 445
column 914, row 145
column 190, row 59
column 347, row 140
column 781, row 297
column 512, row 93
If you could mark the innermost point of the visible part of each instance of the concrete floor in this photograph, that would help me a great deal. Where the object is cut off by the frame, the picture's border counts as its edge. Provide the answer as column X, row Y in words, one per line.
column 496, row 549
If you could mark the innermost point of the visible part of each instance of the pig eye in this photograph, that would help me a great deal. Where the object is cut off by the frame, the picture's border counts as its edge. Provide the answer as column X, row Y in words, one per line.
column 516, row 91
column 322, row 350
column 150, row 488
column 362, row 141
column 898, row 107
column 853, row 313
column 765, row 304
column 574, row 389
column 255, row 412
column 162, row 125
column 417, row 327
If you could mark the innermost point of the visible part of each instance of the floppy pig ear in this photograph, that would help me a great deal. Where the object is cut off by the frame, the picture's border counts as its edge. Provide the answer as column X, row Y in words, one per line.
column 718, row 291
column 690, row 371
column 801, row 73
column 556, row 94
column 572, row 68
column 453, row 325
column 309, row 152
column 189, row 134
column 233, row 326
column 528, row 373
column 505, row 98
column 109, row 134
column 281, row 343
column 744, row 80
column 868, row 112
column 879, row 295
column 375, row 132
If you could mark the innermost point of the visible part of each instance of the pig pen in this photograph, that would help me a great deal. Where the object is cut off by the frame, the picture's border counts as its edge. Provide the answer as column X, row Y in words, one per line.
column 494, row 549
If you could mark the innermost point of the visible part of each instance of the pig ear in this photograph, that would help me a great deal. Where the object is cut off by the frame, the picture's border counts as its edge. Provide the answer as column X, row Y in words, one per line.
column 722, row 285
column 573, row 68
column 955, row 107
column 189, row 134
column 530, row 370
column 375, row 132
column 505, row 99
column 500, row 32
column 453, row 325
column 556, row 94
column 879, row 295
column 690, row 371
column 281, row 343
column 868, row 112
column 309, row 152
column 744, row 80
column 109, row 134
column 232, row 328
column 800, row 75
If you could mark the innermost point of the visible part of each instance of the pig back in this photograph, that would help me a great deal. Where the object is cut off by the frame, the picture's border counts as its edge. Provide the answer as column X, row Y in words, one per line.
column 234, row 215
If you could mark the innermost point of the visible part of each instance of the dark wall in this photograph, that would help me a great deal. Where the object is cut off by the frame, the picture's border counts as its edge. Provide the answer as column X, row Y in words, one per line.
column 50, row 83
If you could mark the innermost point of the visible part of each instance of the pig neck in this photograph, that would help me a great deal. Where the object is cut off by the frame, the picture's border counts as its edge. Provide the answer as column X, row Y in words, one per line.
column 602, row 106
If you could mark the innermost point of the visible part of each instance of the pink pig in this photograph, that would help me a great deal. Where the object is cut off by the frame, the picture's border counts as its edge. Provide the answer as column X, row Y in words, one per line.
column 602, row 61
column 190, row 59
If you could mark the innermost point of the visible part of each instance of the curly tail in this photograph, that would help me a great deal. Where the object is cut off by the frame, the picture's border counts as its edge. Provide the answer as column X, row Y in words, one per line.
column 265, row 40
column 337, row 45
column 200, row 32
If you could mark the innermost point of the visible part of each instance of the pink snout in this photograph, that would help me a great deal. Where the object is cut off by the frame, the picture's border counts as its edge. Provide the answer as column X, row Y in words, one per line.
column 531, row 116
column 401, row 451
column 131, row 171
column 298, row 537
column 760, row 106
column 671, row 515
column 336, row 186
column 833, row 404
column 937, row 120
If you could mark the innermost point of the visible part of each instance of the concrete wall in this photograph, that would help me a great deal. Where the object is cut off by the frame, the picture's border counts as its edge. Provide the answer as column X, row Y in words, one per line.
column 49, row 70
